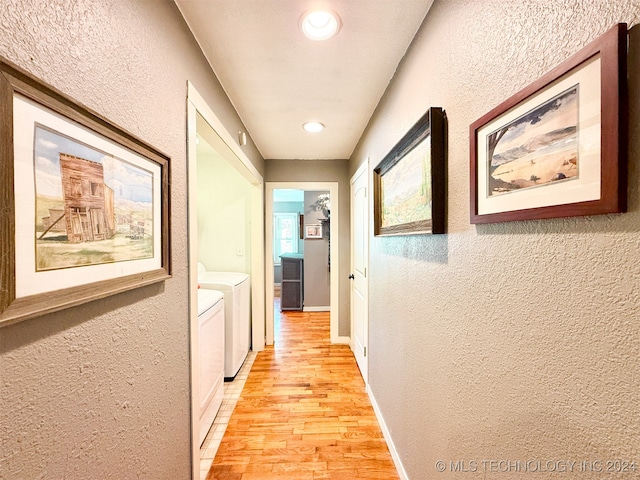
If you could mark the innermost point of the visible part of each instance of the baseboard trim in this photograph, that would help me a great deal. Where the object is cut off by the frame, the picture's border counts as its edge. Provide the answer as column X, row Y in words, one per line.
column 316, row 309
column 341, row 340
column 387, row 436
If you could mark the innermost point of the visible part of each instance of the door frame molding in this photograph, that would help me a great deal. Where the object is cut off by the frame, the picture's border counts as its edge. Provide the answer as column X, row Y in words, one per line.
column 231, row 151
column 332, row 187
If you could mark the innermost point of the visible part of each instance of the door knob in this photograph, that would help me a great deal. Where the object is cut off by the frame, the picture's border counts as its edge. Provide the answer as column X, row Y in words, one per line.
column 351, row 277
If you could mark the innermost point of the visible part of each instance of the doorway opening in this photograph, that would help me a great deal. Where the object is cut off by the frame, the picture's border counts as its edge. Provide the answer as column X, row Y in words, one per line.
column 316, row 239
column 301, row 249
column 225, row 230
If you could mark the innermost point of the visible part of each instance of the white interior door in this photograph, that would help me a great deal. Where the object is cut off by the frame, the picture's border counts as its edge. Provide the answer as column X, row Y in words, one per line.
column 359, row 267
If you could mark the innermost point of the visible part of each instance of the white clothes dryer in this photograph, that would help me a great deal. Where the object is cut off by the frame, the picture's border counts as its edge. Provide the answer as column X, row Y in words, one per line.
column 236, row 287
column 211, row 327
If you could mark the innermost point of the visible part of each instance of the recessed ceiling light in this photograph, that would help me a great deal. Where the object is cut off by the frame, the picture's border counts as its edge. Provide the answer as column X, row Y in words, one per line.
column 313, row 127
column 320, row 24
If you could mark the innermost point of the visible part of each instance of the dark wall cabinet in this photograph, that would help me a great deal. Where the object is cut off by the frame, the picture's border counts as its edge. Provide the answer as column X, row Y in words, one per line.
column 292, row 291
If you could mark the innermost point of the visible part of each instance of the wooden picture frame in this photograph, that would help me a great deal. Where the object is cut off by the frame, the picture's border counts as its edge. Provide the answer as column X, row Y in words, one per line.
column 557, row 148
column 313, row 231
column 410, row 181
column 85, row 204
column 301, row 226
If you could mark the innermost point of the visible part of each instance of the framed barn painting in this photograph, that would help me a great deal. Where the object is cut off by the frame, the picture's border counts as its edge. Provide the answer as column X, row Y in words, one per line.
column 410, row 181
column 558, row 148
column 87, row 203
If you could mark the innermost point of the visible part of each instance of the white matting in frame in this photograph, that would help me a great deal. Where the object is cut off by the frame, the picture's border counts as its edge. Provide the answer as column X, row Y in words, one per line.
column 586, row 185
column 29, row 281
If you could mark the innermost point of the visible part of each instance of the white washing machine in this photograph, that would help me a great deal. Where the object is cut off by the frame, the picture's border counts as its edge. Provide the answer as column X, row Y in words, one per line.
column 236, row 288
column 211, row 327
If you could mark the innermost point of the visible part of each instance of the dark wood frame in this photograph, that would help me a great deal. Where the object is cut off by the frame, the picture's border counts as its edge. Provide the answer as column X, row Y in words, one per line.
column 612, row 48
column 301, row 226
column 431, row 125
column 14, row 80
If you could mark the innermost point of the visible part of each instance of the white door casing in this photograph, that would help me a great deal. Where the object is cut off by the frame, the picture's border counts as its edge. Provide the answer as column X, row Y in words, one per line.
column 359, row 267
column 197, row 107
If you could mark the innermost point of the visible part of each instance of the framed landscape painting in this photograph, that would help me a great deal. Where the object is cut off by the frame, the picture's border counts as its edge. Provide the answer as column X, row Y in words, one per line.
column 88, row 203
column 410, row 181
column 558, row 148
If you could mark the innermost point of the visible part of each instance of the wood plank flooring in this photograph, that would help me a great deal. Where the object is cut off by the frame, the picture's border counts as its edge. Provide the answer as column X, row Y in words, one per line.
column 304, row 413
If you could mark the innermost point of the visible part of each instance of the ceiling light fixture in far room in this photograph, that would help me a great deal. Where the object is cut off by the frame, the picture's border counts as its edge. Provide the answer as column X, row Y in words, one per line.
column 320, row 24
column 313, row 127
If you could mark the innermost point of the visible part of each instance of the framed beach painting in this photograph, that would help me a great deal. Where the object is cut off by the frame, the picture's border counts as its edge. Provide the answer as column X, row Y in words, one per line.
column 410, row 181
column 558, row 148
column 88, row 203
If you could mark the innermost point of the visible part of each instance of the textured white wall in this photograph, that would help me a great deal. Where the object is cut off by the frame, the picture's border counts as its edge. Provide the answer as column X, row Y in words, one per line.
column 102, row 390
column 511, row 341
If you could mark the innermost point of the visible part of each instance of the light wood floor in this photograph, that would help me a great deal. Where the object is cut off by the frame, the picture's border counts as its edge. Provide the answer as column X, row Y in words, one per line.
column 304, row 413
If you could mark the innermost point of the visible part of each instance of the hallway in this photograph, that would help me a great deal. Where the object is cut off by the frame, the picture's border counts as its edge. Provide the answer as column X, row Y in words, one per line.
column 304, row 413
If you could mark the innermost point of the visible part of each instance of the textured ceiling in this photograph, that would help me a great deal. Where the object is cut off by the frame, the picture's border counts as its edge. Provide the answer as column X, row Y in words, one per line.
column 277, row 79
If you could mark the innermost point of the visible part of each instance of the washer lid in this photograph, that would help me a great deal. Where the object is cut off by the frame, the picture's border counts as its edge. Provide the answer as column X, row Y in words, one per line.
column 207, row 299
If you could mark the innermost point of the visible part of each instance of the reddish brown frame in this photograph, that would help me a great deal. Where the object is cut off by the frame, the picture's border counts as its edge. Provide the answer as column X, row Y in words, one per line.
column 612, row 47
